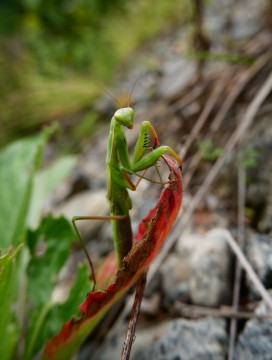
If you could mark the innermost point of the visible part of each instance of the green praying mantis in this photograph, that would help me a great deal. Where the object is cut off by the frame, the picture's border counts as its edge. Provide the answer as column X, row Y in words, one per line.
column 119, row 166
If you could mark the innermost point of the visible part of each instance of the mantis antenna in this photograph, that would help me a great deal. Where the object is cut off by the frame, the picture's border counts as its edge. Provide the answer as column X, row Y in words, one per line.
column 131, row 91
column 109, row 94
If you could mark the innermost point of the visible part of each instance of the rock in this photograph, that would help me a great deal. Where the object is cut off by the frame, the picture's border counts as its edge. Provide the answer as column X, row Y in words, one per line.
column 174, row 280
column 259, row 254
column 187, row 245
column 87, row 203
column 175, row 271
column 259, row 192
column 243, row 15
column 204, row 339
column 111, row 348
column 202, row 267
column 254, row 343
column 178, row 72
column 210, row 275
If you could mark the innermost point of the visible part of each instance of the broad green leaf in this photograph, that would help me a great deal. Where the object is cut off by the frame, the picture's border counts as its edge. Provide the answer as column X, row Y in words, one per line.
column 44, row 182
column 57, row 314
column 9, row 331
column 55, row 236
column 18, row 162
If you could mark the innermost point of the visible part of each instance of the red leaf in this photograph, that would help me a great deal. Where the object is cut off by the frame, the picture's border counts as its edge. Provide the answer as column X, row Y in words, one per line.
column 151, row 234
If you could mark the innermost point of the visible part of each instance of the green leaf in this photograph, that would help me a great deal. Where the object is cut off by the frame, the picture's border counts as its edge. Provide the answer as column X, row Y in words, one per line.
column 249, row 157
column 44, row 182
column 61, row 313
column 208, row 150
column 53, row 238
column 18, row 162
column 9, row 331
column 57, row 235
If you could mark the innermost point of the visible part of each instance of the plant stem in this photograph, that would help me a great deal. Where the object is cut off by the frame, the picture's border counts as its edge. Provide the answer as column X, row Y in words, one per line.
column 133, row 317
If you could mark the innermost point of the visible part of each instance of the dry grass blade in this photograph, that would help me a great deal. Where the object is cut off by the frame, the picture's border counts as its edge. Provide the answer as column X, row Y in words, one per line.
column 248, row 268
column 238, row 268
column 205, row 114
column 237, row 135
column 240, row 84
column 243, row 80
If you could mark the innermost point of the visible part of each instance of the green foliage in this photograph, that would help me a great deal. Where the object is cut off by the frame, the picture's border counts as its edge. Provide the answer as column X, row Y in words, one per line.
column 221, row 57
column 62, row 36
column 208, row 151
column 52, row 53
column 250, row 213
column 249, row 157
column 44, row 317
column 9, row 330
column 44, row 182
column 18, row 163
column 30, row 261
column 43, row 269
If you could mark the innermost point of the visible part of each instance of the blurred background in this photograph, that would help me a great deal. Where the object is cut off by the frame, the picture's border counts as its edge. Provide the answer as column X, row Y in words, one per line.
column 200, row 71
column 54, row 54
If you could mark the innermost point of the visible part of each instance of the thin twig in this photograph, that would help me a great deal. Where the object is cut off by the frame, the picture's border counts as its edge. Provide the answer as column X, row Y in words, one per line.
column 241, row 241
column 223, row 312
column 133, row 317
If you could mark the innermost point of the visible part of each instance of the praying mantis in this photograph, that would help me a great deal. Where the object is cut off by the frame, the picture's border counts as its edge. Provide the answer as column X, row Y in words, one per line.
column 132, row 259
column 119, row 166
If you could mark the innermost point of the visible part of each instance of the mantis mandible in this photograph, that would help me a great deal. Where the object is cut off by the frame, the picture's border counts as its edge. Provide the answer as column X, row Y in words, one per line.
column 119, row 166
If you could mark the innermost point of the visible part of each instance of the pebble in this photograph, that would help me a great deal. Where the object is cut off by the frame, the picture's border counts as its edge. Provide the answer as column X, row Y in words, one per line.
column 199, row 271
column 254, row 343
column 210, row 275
column 174, row 280
column 144, row 337
column 178, row 72
column 87, row 203
column 259, row 254
column 204, row 339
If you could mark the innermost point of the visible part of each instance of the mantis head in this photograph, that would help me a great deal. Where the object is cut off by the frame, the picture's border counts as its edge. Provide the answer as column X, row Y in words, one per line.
column 125, row 116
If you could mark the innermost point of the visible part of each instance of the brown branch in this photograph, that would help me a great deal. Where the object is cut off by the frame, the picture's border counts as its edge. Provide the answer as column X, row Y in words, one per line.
column 133, row 317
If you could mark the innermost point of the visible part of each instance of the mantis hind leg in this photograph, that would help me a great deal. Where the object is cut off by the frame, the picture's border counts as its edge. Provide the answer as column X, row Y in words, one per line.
column 78, row 218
